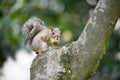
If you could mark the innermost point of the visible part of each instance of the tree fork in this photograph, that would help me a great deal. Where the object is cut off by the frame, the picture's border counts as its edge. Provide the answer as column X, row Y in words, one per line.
column 80, row 59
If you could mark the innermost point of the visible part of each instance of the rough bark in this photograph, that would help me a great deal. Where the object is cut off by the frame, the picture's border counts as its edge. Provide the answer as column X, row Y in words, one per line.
column 79, row 60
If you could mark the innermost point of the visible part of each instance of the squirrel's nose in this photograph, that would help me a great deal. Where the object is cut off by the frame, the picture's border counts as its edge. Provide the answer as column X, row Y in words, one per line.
column 55, row 43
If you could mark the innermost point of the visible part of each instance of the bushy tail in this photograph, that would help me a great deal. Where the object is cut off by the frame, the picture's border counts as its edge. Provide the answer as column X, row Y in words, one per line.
column 31, row 28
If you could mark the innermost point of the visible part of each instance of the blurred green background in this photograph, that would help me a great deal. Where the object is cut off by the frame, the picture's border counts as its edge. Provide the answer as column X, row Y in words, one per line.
column 71, row 15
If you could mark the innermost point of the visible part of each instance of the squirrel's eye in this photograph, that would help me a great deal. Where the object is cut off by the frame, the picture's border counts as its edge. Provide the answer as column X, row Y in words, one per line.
column 53, row 33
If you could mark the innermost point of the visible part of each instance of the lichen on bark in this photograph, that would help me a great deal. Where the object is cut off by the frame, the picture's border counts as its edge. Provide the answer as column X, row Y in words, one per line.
column 80, row 59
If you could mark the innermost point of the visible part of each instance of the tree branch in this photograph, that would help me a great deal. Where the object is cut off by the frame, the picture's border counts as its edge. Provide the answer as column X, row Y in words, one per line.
column 79, row 60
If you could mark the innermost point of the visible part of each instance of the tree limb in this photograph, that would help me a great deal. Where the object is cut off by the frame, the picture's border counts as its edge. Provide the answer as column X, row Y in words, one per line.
column 79, row 60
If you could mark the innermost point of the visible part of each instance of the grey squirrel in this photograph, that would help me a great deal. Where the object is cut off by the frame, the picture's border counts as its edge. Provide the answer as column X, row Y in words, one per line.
column 38, row 36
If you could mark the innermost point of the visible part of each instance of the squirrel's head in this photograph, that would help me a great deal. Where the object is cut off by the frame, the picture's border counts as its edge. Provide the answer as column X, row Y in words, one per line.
column 56, row 33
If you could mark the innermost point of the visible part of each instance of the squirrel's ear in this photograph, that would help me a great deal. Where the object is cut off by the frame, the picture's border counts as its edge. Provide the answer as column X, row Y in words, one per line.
column 60, row 27
column 51, row 28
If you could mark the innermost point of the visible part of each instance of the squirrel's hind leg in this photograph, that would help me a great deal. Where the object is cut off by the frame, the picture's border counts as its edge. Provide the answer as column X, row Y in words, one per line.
column 42, row 51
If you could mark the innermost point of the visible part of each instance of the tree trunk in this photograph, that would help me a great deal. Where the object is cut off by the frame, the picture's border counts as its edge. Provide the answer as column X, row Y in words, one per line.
column 80, row 59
